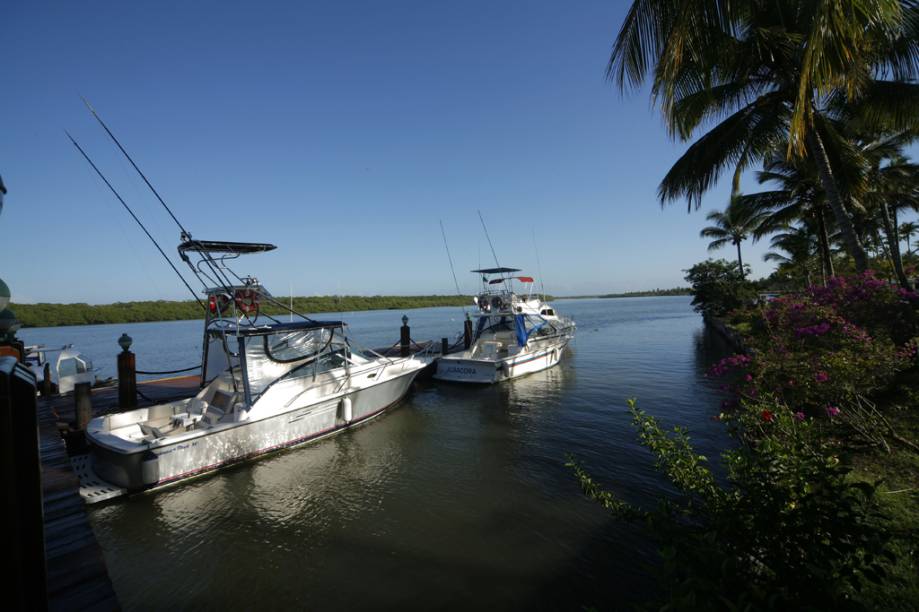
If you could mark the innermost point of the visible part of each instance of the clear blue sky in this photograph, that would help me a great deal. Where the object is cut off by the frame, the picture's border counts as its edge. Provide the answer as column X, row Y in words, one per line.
column 342, row 132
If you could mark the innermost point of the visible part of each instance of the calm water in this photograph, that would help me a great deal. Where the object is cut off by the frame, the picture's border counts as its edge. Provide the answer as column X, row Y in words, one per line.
column 457, row 498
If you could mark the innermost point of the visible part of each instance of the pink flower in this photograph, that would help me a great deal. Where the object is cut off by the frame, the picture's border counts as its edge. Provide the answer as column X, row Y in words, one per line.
column 821, row 376
column 799, row 416
column 832, row 411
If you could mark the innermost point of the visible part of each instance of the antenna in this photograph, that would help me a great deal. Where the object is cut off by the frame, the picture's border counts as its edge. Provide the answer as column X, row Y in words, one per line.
column 450, row 257
column 131, row 212
column 185, row 234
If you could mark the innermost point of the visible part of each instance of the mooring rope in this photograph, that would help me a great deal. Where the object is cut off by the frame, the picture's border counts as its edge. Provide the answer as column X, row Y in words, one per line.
column 196, row 367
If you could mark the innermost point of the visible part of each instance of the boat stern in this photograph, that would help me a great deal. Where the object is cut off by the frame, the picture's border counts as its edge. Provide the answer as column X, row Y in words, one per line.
column 467, row 370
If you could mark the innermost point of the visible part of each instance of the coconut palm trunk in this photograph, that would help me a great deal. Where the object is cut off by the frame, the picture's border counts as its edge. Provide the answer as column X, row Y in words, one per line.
column 843, row 219
column 893, row 245
column 826, row 258
column 739, row 259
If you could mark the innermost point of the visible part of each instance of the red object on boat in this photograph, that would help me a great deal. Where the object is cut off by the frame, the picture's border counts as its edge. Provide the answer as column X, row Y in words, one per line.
column 525, row 279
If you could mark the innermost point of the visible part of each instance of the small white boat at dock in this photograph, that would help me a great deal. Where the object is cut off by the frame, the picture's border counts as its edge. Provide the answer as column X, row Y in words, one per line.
column 514, row 334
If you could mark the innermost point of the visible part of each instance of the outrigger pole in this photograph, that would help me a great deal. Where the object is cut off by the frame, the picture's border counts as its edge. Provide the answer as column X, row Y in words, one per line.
column 131, row 212
column 450, row 257
column 492, row 246
column 185, row 234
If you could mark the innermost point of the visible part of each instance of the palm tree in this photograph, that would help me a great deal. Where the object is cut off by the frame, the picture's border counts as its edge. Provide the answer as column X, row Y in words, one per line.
column 890, row 182
column 769, row 70
column 907, row 230
column 799, row 197
column 733, row 226
column 799, row 245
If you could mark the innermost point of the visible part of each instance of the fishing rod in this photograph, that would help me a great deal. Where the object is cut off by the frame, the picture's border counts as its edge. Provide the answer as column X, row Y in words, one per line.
column 131, row 212
column 450, row 257
column 218, row 277
column 492, row 246
column 186, row 235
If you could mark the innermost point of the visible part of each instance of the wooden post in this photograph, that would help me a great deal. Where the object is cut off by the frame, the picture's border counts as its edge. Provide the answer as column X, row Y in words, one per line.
column 444, row 346
column 467, row 332
column 83, row 404
column 46, row 382
column 26, row 574
column 127, row 379
column 405, row 337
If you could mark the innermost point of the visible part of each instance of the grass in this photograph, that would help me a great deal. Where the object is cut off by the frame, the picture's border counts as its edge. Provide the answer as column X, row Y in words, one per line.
column 898, row 493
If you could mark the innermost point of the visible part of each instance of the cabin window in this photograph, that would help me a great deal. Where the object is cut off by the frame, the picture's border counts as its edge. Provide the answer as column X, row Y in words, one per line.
column 67, row 367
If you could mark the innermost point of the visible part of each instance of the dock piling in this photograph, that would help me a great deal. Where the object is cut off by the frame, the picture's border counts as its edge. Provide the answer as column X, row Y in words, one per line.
column 444, row 346
column 405, row 337
column 127, row 374
column 46, row 383
column 467, row 332
column 83, row 404
column 26, row 574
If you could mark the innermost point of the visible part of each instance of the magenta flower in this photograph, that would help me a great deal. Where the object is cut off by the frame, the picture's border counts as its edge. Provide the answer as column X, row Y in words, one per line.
column 821, row 376
column 799, row 416
column 832, row 411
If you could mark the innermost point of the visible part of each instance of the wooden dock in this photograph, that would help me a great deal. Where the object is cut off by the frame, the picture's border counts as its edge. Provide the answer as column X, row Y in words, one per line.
column 77, row 574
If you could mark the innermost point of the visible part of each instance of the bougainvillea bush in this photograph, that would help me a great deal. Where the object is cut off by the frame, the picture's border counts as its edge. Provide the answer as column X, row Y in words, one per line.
column 874, row 304
column 824, row 348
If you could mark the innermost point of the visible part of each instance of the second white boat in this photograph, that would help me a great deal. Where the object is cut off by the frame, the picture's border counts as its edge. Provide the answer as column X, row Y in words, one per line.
column 513, row 335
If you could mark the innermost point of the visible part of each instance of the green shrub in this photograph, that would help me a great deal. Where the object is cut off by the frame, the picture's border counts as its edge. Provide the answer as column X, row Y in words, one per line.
column 718, row 288
column 787, row 531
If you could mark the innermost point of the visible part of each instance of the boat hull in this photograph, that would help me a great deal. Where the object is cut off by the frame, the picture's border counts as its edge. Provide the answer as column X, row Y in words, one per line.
column 219, row 447
column 487, row 371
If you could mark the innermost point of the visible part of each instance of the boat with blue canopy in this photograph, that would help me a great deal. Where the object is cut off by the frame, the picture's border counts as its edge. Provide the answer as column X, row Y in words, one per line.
column 515, row 332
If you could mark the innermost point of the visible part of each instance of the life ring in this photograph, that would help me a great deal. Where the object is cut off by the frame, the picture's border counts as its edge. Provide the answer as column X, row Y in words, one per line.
column 246, row 300
column 218, row 303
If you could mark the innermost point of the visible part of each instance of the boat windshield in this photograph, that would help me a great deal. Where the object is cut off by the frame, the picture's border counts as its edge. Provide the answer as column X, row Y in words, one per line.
column 270, row 357
column 287, row 347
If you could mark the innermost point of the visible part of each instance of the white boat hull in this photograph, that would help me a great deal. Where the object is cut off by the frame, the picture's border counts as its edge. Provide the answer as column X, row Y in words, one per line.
column 458, row 368
column 212, row 449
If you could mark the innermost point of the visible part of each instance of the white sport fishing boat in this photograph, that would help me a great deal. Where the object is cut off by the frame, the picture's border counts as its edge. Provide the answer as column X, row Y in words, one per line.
column 266, row 385
column 514, row 334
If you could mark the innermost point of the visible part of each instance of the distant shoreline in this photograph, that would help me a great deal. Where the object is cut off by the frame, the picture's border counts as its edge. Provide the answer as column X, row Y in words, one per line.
column 60, row 315
column 677, row 291
column 48, row 314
